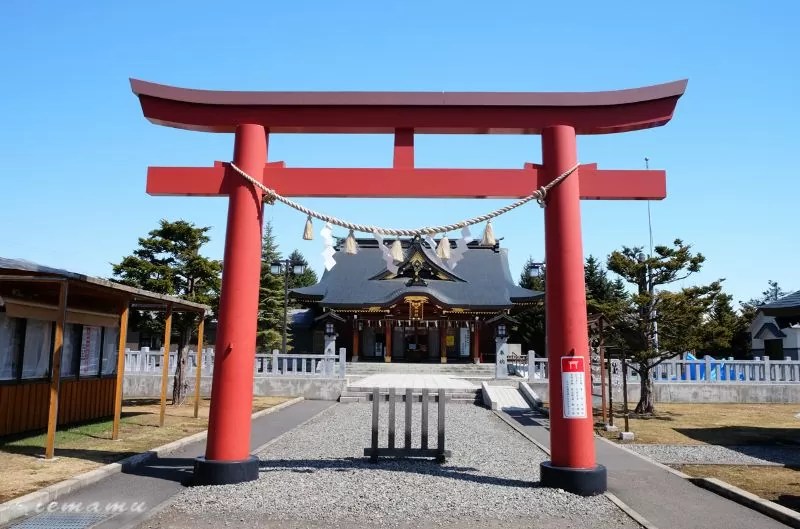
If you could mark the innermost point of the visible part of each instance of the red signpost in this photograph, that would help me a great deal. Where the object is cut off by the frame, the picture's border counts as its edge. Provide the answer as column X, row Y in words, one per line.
column 558, row 117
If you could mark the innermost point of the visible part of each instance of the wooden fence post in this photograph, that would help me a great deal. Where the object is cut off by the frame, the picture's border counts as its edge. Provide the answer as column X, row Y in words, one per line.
column 409, row 402
column 123, row 332
column 165, row 364
column 376, row 395
column 198, row 358
column 55, row 376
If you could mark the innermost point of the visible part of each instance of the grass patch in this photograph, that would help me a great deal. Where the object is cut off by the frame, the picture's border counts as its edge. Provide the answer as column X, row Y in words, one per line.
column 720, row 424
column 778, row 484
column 88, row 446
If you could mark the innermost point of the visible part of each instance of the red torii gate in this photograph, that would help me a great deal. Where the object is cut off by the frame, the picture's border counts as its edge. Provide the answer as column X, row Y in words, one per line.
column 558, row 117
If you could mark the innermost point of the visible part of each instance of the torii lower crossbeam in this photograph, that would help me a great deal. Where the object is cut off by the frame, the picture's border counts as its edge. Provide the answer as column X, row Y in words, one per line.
column 399, row 182
column 558, row 117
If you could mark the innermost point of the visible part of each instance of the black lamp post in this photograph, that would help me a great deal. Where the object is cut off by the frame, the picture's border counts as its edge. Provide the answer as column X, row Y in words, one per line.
column 285, row 267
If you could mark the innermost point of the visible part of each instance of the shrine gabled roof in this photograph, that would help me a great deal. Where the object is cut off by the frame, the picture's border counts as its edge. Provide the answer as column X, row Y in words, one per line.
column 481, row 281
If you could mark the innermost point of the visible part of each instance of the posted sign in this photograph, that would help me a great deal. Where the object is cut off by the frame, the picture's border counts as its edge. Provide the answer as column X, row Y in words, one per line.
column 573, row 387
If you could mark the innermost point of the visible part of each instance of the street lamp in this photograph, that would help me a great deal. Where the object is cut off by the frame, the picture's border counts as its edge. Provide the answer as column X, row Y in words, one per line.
column 285, row 267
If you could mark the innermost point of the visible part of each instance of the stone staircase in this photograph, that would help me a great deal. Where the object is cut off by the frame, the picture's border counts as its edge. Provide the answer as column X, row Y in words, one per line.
column 364, row 369
column 474, row 373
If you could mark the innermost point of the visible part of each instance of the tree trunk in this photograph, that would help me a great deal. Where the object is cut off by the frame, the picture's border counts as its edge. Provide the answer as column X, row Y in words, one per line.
column 646, row 405
column 180, row 385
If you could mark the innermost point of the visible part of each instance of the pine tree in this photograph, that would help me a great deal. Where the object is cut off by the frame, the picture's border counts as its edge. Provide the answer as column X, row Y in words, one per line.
column 269, row 333
column 658, row 325
column 168, row 261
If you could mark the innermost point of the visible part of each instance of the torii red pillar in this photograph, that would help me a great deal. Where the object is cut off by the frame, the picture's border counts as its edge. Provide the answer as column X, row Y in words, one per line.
column 558, row 117
column 229, row 417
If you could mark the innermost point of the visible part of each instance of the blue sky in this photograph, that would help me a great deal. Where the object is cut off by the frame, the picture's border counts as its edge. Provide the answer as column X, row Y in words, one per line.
column 74, row 146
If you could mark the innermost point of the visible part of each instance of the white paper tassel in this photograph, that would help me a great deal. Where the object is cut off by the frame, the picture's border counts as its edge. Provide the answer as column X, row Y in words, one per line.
column 350, row 245
column 385, row 254
column 461, row 247
column 327, row 254
column 397, row 251
column 308, row 233
column 488, row 235
column 443, row 249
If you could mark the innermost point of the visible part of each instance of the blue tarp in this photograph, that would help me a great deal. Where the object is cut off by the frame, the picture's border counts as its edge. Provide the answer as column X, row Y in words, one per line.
column 697, row 371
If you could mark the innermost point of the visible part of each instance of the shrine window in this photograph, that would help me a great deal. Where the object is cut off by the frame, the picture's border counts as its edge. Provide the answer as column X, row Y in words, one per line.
column 37, row 349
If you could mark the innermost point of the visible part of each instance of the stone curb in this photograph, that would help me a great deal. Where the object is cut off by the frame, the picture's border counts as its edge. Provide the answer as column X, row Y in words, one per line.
column 24, row 505
column 530, row 396
column 757, row 503
column 486, row 398
column 621, row 505
column 638, row 518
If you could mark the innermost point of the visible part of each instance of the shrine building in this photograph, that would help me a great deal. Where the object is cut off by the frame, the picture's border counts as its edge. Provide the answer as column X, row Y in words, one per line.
column 430, row 310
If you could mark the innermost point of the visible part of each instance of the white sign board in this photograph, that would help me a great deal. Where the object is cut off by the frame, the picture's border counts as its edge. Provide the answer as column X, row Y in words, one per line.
column 501, row 359
column 573, row 387
column 463, row 342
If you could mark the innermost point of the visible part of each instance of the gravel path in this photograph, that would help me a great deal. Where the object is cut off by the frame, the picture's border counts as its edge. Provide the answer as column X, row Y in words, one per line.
column 316, row 476
column 719, row 455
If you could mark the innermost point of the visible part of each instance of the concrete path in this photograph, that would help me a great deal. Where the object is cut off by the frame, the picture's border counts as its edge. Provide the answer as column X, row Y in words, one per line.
column 415, row 381
column 152, row 484
column 667, row 501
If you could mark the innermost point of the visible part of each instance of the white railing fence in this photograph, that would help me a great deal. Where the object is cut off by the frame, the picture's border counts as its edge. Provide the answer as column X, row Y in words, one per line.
column 272, row 364
column 707, row 370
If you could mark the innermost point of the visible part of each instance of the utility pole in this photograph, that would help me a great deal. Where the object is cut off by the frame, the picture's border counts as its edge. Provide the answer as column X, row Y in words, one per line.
column 649, row 273
column 285, row 301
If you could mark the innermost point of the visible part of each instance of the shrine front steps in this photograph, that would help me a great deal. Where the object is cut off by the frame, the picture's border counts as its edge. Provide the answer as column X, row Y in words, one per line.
column 478, row 371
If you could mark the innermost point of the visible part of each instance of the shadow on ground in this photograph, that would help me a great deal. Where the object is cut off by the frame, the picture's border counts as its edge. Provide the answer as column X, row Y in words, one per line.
column 413, row 466
column 744, row 435
column 790, row 501
column 177, row 469
column 96, row 456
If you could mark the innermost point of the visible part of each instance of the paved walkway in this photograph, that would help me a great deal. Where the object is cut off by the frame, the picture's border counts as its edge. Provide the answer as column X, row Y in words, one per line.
column 155, row 482
column 664, row 499
column 415, row 381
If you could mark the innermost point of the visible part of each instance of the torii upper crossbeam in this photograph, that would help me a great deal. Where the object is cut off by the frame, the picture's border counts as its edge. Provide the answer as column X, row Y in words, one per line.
column 558, row 117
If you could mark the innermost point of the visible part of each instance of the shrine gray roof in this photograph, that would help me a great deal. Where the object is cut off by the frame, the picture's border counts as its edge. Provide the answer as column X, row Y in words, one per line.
column 786, row 306
column 482, row 280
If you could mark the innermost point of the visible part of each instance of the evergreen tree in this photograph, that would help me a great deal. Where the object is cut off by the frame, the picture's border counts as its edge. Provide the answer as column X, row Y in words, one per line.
column 603, row 295
column 306, row 279
column 269, row 333
column 530, row 331
column 773, row 293
column 658, row 325
column 720, row 328
column 168, row 261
